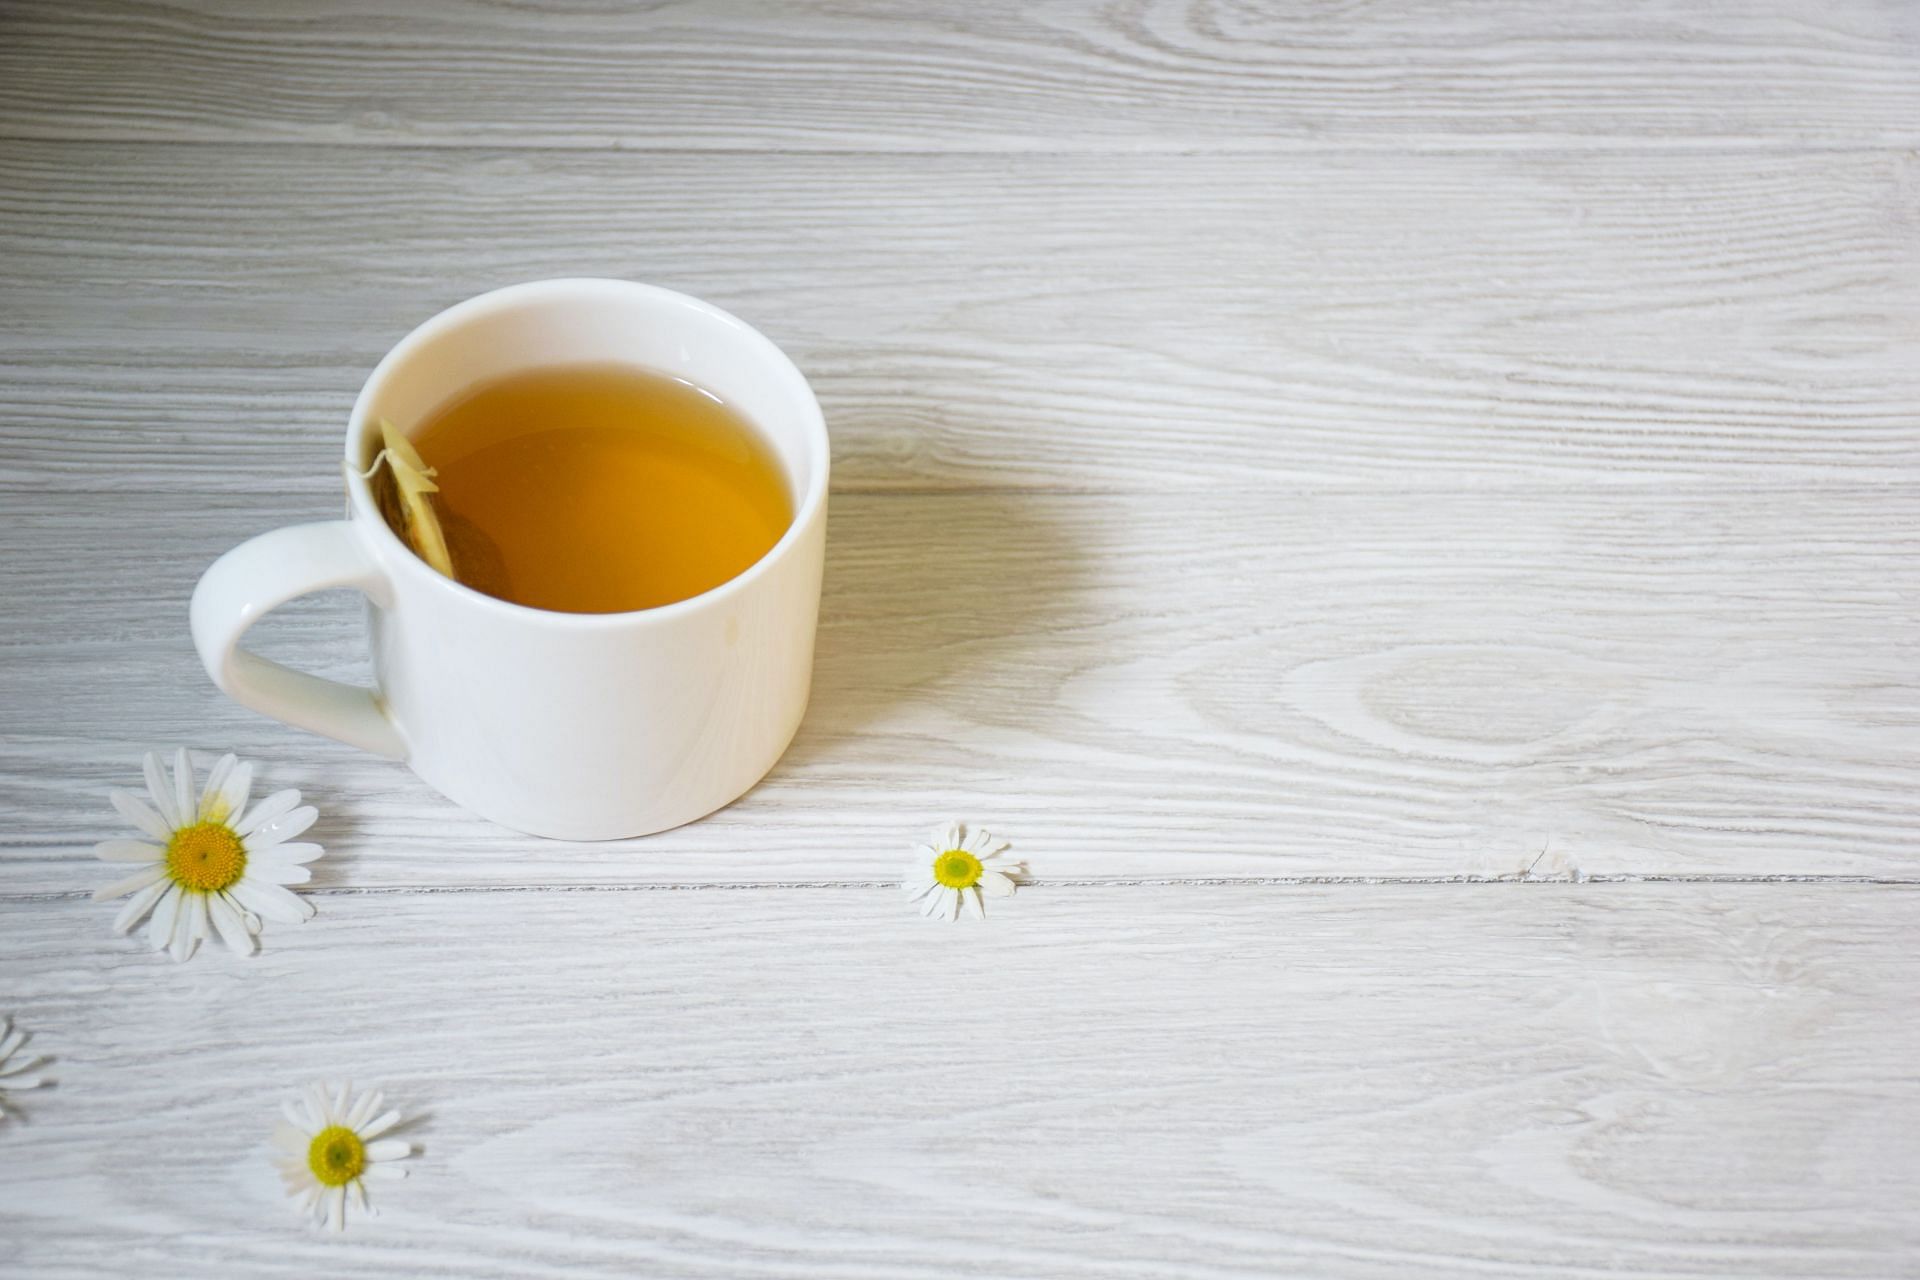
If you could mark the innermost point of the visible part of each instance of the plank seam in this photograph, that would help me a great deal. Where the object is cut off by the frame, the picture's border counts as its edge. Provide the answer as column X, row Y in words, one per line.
column 1570, row 145
column 1304, row 881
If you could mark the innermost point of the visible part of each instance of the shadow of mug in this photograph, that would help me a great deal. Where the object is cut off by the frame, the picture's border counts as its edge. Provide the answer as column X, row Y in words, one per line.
column 931, row 603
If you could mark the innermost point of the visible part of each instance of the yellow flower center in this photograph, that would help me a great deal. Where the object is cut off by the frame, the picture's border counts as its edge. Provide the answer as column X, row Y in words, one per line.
column 957, row 869
column 206, row 857
column 337, row 1156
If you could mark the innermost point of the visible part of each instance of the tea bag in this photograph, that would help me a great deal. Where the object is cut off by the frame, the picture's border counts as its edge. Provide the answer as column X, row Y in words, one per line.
column 453, row 546
column 401, row 489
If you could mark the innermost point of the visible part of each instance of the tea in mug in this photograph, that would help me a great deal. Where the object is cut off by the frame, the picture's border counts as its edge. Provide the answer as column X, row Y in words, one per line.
column 597, row 488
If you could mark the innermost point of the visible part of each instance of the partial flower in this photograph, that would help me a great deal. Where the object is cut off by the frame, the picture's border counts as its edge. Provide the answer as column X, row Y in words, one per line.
column 12, row 1074
column 331, row 1144
column 953, row 868
column 204, row 866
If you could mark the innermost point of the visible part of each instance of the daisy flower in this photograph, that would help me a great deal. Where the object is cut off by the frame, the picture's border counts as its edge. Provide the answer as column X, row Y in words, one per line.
column 204, row 866
column 11, row 1038
column 331, row 1143
column 948, row 870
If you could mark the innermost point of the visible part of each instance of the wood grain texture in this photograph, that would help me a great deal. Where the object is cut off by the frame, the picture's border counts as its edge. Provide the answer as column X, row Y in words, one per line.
column 889, row 74
column 1670, row 682
column 1028, row 321
column 1355, row 1082
column 1346, row 442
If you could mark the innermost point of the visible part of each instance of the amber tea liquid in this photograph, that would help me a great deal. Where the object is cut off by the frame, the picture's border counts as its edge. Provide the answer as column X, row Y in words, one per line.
column 603, row 488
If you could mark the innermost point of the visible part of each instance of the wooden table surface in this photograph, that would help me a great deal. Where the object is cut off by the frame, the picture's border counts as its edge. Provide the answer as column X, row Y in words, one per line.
column 1408, row 516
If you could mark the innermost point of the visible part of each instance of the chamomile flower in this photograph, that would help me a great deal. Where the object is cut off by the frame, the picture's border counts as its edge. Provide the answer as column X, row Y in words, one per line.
column 331, row 1144
column 209, row 863
column 953, row 868
column 11, row 1077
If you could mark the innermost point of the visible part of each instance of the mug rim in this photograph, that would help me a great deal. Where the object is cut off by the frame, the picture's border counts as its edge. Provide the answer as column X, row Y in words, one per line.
column 813, row 426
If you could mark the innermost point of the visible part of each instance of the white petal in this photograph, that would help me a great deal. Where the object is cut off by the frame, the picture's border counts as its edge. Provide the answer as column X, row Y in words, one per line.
column 947, row 837
column 138, row 906
column 270, row 901
column 141, row 815
column 12, row 1069
column 360, row 1195
column 388, row 1149
column 233, row 793
column 160, row 928
column 295, row 852
column 950, row 905
column 368, row 1104
column 31, row 1082
column 392, row 1171
column 337, row 1208
column 13, row 1040
column 226, row 918
column 291, row 1140
column 269, row 874
column 268, row 835
column 189, row 927
column 205, row 811
column 995, row 884
column 138, row 880
column 970, row 897
column 297, row 1117
column 183, row 786
column 379, row 1125
column 160, row 790
column 977, row 842
column 316, row 1100
column 991, row 848
column 267, row 810
column 128, row 851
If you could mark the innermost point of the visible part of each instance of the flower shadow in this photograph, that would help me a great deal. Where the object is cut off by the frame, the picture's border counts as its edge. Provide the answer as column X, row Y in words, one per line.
column 338, row 829
column 411, row 1126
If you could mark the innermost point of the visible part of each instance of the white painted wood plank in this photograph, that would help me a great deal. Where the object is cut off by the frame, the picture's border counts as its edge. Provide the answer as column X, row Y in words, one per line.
column 1671, row 682
column 1356, row 1082
column 1372, row 321
column 982, row 74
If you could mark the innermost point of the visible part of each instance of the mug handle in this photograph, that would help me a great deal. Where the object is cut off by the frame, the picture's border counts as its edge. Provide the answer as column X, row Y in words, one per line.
column 260, row 575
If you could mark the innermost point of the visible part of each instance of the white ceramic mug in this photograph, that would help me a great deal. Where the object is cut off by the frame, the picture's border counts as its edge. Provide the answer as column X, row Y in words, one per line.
column 571, row 725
